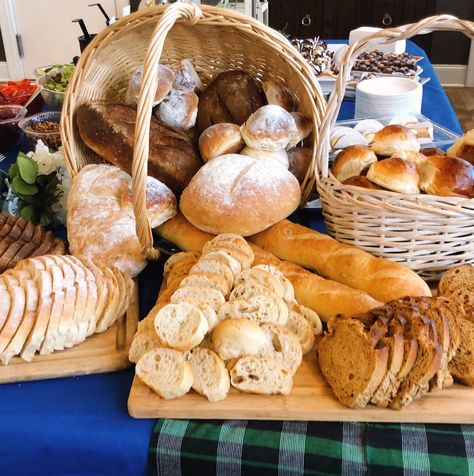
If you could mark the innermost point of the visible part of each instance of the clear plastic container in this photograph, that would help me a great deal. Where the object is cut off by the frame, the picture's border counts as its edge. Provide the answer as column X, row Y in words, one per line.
column 10, row 133
column 44, row 126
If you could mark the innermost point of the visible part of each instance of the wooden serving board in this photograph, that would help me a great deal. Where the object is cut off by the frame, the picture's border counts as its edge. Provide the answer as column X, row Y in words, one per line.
column 104, row 352
column 310, row 400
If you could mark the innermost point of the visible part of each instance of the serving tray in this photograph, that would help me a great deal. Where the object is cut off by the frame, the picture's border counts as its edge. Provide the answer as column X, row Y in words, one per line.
column 104, row 352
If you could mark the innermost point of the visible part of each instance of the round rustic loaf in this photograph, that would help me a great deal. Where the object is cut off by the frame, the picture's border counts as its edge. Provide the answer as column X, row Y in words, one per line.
column 240, row 194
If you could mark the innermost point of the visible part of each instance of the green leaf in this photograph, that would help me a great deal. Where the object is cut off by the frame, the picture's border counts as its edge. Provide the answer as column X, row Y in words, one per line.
column 13, row 171
column 20, row 186
column 28, row 168
column 28, row 212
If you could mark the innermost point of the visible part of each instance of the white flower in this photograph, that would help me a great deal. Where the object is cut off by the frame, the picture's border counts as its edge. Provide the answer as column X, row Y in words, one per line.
column 47, row 162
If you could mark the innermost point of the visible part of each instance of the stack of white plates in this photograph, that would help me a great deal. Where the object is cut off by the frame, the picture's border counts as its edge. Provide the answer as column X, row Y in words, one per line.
column 387, row 96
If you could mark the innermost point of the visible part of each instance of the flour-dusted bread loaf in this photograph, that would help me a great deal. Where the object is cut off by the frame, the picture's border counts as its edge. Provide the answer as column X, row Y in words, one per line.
column 178, row 109
column 239, row 194
column 98, row 227
column 234, row 338
column 261, row 375
column 180, row 326
column 383, row 279
column 185, row 76
column 166, row 372
column 211, row 378
column 350, row 362
column 210, row 296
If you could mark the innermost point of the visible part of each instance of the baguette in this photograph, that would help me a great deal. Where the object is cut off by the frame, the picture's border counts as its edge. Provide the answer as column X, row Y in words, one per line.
column 383, row 279
column 327, row 298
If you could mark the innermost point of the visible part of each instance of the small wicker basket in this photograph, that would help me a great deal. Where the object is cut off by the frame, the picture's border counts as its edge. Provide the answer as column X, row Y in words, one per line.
column 428, row 233
column 215, row 40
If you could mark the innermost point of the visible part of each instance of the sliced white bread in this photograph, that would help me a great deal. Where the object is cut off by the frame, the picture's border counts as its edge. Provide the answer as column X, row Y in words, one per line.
column 180, row 271
column 182, row 257
column 261, row 309
column 5, row 303
column 166, row 372
column 207, row 280
column 209, row 313
column 213, row 265
column 180, row 326
column 299, row 326
column 462, row 365
column 234, row 338
column 261, row 375
column 145, row 339
column 111, row 310
column 350, row 363
column 286, row 348
column 210, row 377
column 210, row 296
column 226, row 258
column 310, row 315
column 288, row 291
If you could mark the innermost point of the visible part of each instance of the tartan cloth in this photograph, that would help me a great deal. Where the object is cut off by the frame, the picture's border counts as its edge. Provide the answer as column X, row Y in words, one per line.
column 235, row 447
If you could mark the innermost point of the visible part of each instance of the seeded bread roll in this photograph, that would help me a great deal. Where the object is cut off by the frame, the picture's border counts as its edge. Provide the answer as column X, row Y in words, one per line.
column 220, row 139
column 269, row 128
column 394, row 138
column 351, row 161
column 239, row 194
column 395, row 174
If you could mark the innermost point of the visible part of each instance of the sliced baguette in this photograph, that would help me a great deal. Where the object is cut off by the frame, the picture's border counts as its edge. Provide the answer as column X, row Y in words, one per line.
column 233, row 243
column 182, row 257
column 5, row 303
column 207, row 280
column 210, row 296
column 261, row 277
column 310, row 315
column 208, row 312
column 288, row 291
column 210, row 377
column 213, row 265
column 166, row 372
column 145, row 339
column 300, row 327
column 226, row 258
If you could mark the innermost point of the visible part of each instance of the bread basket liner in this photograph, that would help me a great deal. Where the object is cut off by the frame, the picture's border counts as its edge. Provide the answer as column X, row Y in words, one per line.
column 215, row 40
column 426, row 232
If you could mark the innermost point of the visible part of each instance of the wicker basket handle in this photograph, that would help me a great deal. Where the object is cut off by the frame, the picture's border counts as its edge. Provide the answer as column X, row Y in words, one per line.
column 390, row 35
column 176, row 12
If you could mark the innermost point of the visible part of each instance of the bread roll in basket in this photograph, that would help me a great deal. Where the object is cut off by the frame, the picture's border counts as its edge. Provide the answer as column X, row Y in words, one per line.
column 215, row 40
column 428, row 233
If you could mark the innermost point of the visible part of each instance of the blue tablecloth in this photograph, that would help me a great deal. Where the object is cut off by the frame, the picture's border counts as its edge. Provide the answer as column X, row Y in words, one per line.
column 78, row 426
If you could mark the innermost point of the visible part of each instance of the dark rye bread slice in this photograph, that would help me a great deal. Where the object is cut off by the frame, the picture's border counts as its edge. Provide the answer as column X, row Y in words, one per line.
column 462, row 365
column 464, row 297
column 7, row 257
column 458, row 277
column 351, row 364
column 7, row 226
column 428, row 357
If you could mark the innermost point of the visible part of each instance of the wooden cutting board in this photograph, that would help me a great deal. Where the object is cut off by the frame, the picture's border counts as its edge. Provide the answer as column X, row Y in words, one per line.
column 310, row 400
column 104, row 352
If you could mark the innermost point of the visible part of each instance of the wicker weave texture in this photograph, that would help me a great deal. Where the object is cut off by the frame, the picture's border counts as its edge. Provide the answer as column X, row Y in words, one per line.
column 428, row 233
column 215, row 40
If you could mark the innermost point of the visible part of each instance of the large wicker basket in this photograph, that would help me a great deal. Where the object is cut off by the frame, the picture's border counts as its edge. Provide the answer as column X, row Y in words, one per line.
column 215, row 40
column 426, row 232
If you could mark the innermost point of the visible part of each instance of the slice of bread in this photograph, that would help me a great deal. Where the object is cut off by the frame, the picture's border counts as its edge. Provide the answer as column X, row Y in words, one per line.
column 456, row 278
column 226, row 258
column 288, row 291
column 212, row 265
column 166, row 372
column 208, row 312
column 350, row 363
column 210, row 296
column 5, row 303
column 234, row 338
column 244, row 260
column 261, row 375
column 310, row 315
column 180, row 326
column 231, row 242
column 210, row 376
column 262, row 277
column 261, row 309
column 464, row 297
column 145, row 339
column 286, row 348
column 180, row 271
column 250, row 289
column 299, row 326
column 462, row 364
column 182, row 257
column 208, row 280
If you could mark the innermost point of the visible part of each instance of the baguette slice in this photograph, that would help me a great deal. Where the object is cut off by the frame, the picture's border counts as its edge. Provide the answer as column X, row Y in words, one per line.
column 243, row 259
column 227, row 259
column 212, row 265
column 261, row 375
column 210, row 296
column 232, row 243
column 300, row 327
column 145, row 339
column 350, row 363
column 208, row 312
column 456, row 278
column 208, row 280
column 110, row 312
column 210, row 376
column 462, row 365
column 262, row 277
column 288, row 291
column 180, row 326
column 189, row 257
column 5, row 303
column 311, row 316
column 166, row 372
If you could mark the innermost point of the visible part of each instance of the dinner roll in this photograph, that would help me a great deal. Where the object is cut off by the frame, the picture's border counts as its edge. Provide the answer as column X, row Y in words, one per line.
column 178, row 109
column 220, row 139
column 304, row 128
column 447, row 176
column 185, row 76
column 269, row 128
column 277, row 93
column 361, row 181
column 161, row 203
column 394, row 138
column 279, row 155
column 299, row 159
column 395, row 174
column 411, row 155
column 352, row 161
column 240, row 194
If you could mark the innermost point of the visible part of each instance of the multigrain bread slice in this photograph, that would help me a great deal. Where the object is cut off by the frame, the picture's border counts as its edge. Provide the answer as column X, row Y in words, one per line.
column 458, row 277
column 211, row 265
column 166, row 372
column 462, row 364
column 350, row 362
column 262, row 375
column 208, row 280
column 181, row 326
column 464, row 297
column 210, row 296
column 286, row 347
column 300, row 327
column 261, row 309
column 189, row 257
column 210, row 377
column 234, row 338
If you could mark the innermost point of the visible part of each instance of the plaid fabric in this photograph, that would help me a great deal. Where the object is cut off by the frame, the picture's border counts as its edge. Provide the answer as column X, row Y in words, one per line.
column 232, row 448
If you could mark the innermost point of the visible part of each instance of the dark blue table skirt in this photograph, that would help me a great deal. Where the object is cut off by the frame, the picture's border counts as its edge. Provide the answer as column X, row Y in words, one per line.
column 79, row 426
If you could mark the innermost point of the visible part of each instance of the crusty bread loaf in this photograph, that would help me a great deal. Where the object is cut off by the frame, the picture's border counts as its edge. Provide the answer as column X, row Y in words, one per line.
column 382, row 279
column 304, row 127
column 299, row 160
column 166, row 372
column 211, row 378
column 108, row 129
column 185, row 76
